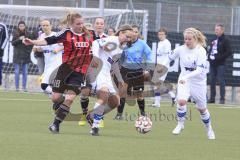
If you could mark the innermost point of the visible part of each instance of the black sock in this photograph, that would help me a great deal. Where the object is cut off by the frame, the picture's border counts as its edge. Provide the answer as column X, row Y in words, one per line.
column 141, row 105
column 61, row 114
column 56, row 105
column 84, row 104
column 121, row 106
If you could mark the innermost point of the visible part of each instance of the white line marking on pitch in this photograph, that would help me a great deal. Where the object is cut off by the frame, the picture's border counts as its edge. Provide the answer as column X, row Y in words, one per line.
column 37, row 100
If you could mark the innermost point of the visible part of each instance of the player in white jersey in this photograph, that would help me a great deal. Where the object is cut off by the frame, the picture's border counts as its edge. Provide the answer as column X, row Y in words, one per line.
column 98, row 26
column 52, row 56
column 192, row 80
column 108, row 51
column 163, row 49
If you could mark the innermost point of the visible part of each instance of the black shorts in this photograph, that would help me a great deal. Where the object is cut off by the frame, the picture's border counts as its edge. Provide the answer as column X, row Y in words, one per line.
column 67, row 79
column 133, row 77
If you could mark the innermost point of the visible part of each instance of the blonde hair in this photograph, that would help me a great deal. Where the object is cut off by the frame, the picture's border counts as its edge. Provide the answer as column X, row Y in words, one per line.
column 197, row 35
column 69, row 20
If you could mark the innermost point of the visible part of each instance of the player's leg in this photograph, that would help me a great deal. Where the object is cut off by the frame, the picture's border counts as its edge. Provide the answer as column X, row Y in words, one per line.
column 62, row 110
column 102, row 99
column 198, row 93
column 123, row 93
column 170, row 91
column 84, row 101
column 173, row 97
column 85, row 93
column 140, row 100
column 138, row 88
column 46, row 80
column 157, row 96
column 182, row 97
column 65, row 80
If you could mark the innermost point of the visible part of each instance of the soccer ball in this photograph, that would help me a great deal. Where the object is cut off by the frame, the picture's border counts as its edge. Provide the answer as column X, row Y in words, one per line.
column 143, row 124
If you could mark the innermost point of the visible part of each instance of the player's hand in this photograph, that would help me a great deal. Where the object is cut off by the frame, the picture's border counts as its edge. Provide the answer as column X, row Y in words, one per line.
column 27, row 41
column 21, row 37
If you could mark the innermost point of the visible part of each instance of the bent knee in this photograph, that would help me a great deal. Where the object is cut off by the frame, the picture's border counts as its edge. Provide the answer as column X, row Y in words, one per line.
column 182, row 102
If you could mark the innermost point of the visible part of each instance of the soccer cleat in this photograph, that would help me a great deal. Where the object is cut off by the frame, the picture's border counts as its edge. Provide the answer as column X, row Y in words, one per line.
column 118, row 117
column 54, row 128
column 94, row 131
column 210, row 133
column 101, row 124
column 156, row 105
column 222, row 101
column 178, row 128
column 83, row 121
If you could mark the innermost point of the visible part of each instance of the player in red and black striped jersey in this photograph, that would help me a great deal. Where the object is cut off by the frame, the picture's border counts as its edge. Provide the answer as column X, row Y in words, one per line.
column 77, row 42
column 76, row 48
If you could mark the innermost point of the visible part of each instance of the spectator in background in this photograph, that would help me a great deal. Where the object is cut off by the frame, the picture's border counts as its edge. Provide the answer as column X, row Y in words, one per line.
column 111, row 31
column 21, row 54
column 220, row 50
column 3, row 42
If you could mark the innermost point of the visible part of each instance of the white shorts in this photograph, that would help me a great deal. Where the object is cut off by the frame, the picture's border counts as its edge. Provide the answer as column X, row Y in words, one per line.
column 102, row 81
column 198, row 92
column 46, row 75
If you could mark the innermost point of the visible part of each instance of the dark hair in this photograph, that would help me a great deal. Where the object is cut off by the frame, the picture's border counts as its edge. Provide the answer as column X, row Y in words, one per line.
column 18, row 31
column 163, row 29
column 220, row 25
column 123, row 28
column 21, row 22
column 112, row 29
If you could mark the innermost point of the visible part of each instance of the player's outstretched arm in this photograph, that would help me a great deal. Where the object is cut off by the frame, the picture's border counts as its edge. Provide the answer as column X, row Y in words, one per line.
column 39, row 42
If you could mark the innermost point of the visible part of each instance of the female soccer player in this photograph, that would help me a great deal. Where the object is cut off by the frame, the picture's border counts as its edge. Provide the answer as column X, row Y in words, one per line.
column 99, row 26
column 77, row 41
column 192, row 79
column 52, row 56
column 163, row 49
column 108, row 51
column 132, row 70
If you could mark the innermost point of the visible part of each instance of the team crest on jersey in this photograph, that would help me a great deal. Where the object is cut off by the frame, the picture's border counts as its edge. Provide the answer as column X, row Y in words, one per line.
column 81, row 44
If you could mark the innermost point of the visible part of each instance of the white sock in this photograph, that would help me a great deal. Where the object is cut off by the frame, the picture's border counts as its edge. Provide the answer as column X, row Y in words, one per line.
column 96, row 120
column 97, row 114
column 48, row 90
column 157, row 98
column 181, row 113
column 206, row 118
